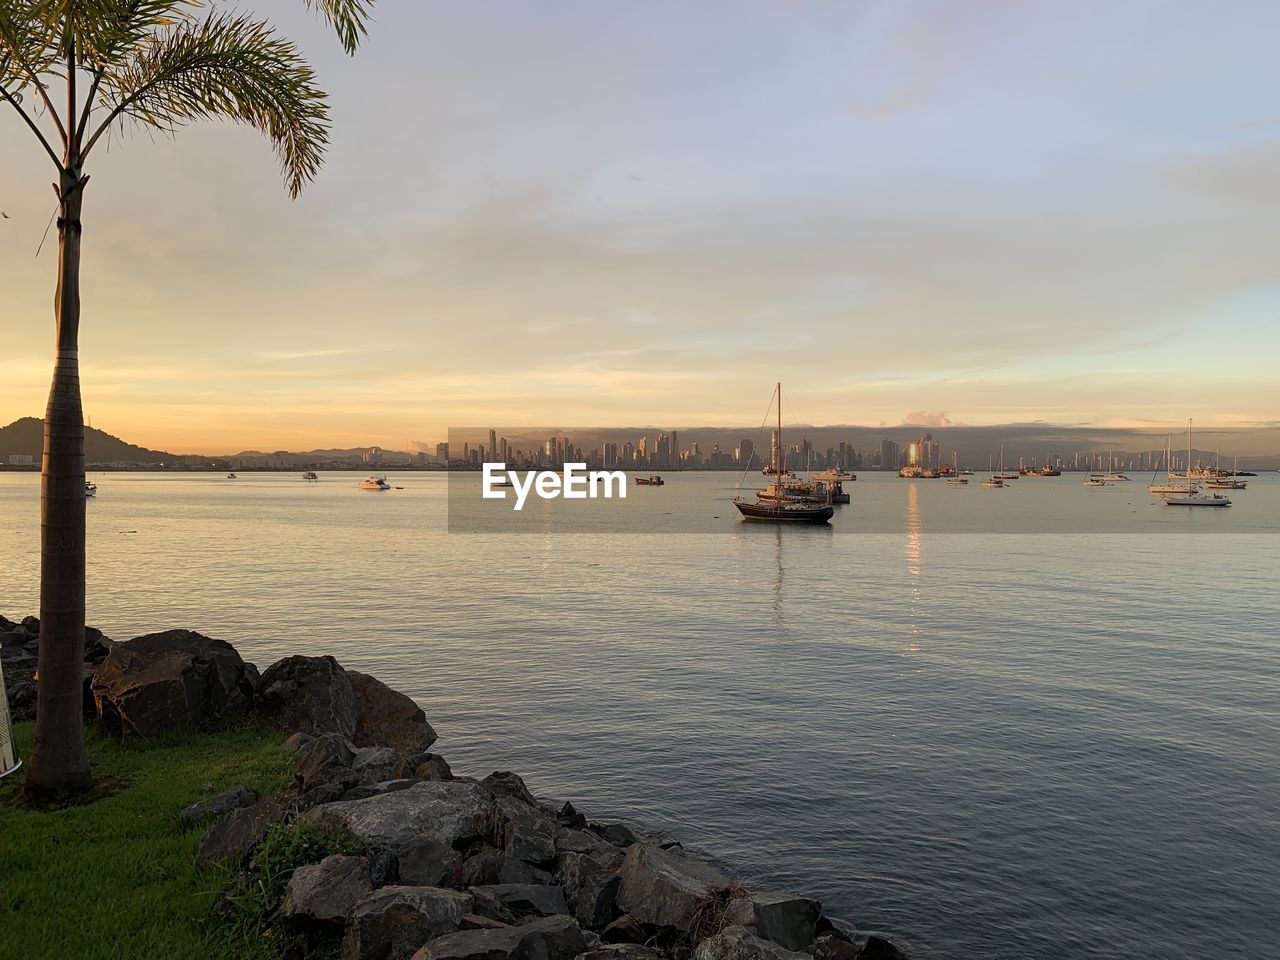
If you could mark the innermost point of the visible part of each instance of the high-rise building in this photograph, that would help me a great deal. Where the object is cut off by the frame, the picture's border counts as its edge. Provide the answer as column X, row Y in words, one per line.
column 493, row 444
column 442, row 454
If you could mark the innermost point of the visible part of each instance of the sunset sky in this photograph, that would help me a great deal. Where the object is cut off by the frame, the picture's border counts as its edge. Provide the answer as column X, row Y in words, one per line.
column 646, row 213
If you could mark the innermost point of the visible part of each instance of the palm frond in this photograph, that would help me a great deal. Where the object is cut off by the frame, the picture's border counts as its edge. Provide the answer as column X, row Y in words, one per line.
column 227, row 66
column 29, row 44
column 349, row 17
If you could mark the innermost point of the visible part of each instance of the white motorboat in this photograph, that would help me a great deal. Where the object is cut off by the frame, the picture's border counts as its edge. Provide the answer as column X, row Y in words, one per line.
column 377, row 482
column 90, row 489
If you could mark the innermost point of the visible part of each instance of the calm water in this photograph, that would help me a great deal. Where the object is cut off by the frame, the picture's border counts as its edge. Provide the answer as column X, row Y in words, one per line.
column 1006, row 746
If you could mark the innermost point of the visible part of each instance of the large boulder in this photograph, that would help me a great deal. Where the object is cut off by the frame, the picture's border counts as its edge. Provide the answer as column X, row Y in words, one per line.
column 326, row 891
column 224, row 802
column 590, row 888
column 739, row 943
column 878, row 948
column 665, row 888
column 524, row 899
column 493, row 866
column 549, row 938
column 327, row 758
column 393, row 922
column 524, row 831
column 426, row 862
column 388, row 718
column 175, row 680
column 308, row 694
column 446, row 809
column 784, row 918
column 229, row 840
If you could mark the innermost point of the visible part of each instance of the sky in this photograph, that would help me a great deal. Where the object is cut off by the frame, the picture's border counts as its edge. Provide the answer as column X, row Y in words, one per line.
column 627, row 213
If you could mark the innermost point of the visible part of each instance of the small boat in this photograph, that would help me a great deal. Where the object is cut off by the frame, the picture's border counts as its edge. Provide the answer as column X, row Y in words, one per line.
column 800, row 511
column 1048, row 471
column 377, row 482
column 653, row 480
column 955, row 480
column 1196, row 498
column 231, row 476
column 1095, row 481
column 90, row 489
column 1226, row 484
column 310, row 475
column 996, row 480
column 993, row 483
column 835, row 474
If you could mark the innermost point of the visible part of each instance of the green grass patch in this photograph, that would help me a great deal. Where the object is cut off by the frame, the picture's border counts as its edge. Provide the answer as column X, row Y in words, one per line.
column 116, row 878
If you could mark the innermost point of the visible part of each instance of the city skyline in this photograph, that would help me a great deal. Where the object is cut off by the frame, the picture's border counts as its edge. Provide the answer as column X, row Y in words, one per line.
column 974, row 211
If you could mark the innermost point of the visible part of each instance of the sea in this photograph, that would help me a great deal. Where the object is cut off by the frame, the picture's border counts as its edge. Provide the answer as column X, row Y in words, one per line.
column 1037, row 722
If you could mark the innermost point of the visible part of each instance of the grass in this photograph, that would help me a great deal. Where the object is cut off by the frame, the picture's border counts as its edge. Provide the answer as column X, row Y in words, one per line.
column 116, row 878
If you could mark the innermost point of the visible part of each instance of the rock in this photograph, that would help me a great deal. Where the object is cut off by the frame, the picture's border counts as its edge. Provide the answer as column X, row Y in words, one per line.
column 298, row 741
column 18, row 657
column 473, row 921
column 784, row 918
column 878, row 948
column 569, row 840
column 525, row 899
column 829, row 946
column 326, row 891
column 230, row 839
column 665, row 888
column 97, row 646
column 525, row 832
column 392, row 923
column 310, row 694
column 325, row 793
column 739, row 943
column 571, row 818
column 375, row 764
column 388, row 718
column 228, row 800
column 384, row 869
column 327, row 758
column 373, row 789
column 428, row 766
column 448, row 810
column 504, row 783
column 175, row 680
column 425, row 861
column 31, row 625
column 626, row 929
column 619, row 951
column 619, row 834
column 550, row 938
column 491, row 866
column 13, row 638
column 590, row 889
column 20, row 688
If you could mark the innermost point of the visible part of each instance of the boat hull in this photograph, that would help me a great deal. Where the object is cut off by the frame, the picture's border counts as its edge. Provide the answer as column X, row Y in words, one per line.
column 774, row 513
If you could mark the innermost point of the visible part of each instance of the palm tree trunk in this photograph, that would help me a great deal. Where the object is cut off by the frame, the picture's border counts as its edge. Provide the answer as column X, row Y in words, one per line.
column 58, row 760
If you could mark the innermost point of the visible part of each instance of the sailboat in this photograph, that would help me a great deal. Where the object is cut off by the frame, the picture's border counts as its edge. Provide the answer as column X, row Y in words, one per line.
column 1194, row 497
column 955, row 480
column 1168, row 486
column 996, row 480
column 779, row 501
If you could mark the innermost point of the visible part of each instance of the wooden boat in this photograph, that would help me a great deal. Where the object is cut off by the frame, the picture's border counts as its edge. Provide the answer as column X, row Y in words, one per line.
column 653, row 480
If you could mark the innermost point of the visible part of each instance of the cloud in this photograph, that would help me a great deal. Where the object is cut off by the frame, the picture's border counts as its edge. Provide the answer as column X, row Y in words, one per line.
column 929, row 418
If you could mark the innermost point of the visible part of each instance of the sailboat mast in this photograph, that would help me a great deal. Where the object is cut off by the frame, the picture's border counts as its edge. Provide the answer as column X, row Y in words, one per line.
column 782, row 457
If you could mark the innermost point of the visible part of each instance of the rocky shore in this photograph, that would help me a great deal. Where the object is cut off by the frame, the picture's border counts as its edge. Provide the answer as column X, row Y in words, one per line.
column 409, row 860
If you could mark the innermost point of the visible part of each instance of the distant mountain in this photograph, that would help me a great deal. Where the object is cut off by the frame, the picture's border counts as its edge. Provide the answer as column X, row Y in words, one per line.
column 27, row 436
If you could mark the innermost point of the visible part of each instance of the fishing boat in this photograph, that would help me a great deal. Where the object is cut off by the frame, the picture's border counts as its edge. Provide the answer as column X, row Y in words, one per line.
column 376, row 482
column 1194, row 497
column 310, row 476
column 653, row 480
column 782, row 501
column 90, row 488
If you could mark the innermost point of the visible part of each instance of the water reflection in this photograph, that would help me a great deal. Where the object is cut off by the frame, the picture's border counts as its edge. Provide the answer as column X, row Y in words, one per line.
column 916, row 611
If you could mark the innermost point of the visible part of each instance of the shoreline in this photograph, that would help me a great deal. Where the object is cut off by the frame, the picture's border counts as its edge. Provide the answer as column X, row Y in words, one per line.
column 510, row 873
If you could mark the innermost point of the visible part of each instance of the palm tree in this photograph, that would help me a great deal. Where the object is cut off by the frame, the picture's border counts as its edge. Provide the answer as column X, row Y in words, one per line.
column 75, row 71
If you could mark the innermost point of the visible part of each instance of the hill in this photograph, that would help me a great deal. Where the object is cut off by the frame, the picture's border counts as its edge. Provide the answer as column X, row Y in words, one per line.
column 26, row 435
